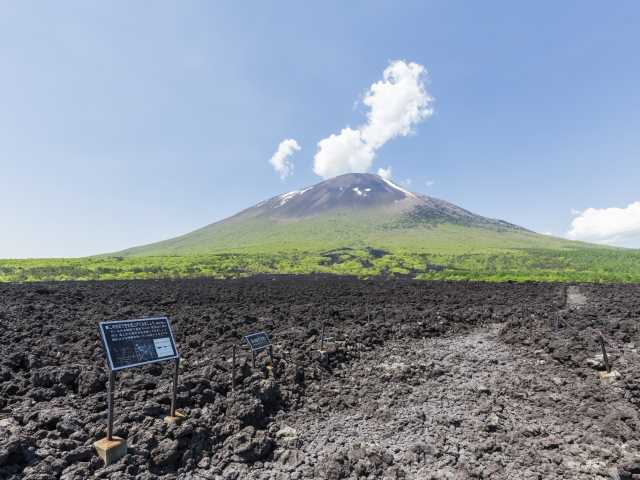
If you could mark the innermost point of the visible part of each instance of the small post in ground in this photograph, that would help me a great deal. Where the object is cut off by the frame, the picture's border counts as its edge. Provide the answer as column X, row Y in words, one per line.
column 233, row 369
column 608, row 375
column 605, row 357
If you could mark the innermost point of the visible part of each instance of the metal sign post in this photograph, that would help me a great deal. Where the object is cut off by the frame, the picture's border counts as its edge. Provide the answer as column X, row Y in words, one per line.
column 270, row 353
column 608, row 375
column 605, row 357
column 175, row 388
column 131, row 343
column 257, row 343
column 110, row 406
column 233, row 369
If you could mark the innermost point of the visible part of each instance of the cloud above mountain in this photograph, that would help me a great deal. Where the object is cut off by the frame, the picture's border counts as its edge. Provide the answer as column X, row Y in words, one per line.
column 345, row 152
column 396, row 104
column 613, row 226
column 385, row 173
column 281, row 160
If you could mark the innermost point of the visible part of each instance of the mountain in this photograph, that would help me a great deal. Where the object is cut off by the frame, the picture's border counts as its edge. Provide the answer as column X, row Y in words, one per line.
column 357, row 210
column 365, row 192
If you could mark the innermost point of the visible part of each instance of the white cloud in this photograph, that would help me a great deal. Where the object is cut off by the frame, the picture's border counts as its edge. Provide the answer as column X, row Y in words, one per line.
column 429, row 183
column 575, row 212
column 342, row 153
column 385, row 173
column 281, row 161
column 614, row 226
column 396, row 103
column 408, row 182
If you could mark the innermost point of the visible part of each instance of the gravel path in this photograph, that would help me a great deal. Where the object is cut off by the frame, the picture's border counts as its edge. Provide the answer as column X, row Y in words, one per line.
column 464, row 406
column 575, row 297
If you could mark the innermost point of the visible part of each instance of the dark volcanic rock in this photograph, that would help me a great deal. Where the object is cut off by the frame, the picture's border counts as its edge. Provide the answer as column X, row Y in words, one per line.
column 249, row 445
column 419, row 380
column 165, row 454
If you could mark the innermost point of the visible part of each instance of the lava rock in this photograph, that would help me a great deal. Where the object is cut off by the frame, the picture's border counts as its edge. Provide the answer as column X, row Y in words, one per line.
column 165, row 454
column 249, row 445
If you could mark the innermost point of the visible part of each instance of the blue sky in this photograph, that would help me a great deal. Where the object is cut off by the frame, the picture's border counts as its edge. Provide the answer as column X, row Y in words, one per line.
column 123, row 123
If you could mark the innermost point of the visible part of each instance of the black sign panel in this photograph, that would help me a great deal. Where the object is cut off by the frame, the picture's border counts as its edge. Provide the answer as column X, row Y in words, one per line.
column 258, row 341
column 130, row 343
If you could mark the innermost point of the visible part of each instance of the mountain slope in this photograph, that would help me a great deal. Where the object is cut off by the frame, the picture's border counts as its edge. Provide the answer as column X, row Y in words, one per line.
column 352, row 211
column 357, row 224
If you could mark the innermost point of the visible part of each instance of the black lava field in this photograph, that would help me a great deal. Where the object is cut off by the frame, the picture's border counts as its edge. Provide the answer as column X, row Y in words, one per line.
column 421, row 380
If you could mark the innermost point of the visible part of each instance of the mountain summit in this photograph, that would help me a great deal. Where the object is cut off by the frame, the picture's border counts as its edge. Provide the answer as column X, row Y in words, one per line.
column 360, row 193
column 350, row 191
column 356, row 210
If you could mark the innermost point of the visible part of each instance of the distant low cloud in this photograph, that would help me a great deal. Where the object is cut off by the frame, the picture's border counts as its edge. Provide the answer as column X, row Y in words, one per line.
column 385, row 173
column 396, row 103
column 613, row 226
column 281, row 161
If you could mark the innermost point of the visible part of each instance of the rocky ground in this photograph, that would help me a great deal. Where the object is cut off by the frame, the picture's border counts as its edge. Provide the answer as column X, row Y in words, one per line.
column 422, row 380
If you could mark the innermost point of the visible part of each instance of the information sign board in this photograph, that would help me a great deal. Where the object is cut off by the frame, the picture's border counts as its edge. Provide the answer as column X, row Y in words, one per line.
column 129, row 343
column 258, row 341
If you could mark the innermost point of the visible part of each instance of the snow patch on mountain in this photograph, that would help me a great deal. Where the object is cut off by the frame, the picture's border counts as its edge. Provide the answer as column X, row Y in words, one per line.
column 393, row 185
column 284, row 198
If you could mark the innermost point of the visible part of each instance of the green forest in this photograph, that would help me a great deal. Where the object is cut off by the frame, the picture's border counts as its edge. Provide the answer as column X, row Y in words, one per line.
column 575, row 265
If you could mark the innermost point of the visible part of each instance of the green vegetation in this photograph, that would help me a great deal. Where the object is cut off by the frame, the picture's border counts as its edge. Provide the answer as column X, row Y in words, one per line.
column 366, row 243
column 376, row 228
column 581, row 263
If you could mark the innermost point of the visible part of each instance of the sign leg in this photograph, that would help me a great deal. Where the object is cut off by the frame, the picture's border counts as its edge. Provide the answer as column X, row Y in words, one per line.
column 175, row 388
column 233, row 370
column 110, row 449
column 174, row 415
column 110, row 406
